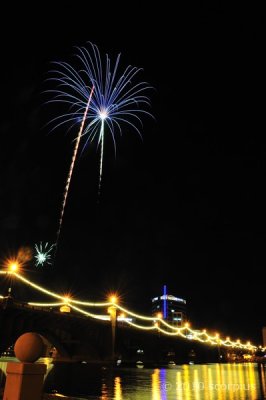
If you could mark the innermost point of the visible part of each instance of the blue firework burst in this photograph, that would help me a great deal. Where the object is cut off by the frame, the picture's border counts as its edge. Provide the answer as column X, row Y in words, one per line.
column 116, row 99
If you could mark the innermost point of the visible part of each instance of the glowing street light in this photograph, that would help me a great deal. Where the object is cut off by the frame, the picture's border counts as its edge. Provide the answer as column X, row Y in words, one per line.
column 113, row 299
column 112, row 310
column 65, row 308
column 66, row 299
column 12, row 267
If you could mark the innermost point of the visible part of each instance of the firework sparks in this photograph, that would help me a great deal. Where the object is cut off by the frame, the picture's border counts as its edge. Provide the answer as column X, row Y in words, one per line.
column 43, row 254
column 116, row 100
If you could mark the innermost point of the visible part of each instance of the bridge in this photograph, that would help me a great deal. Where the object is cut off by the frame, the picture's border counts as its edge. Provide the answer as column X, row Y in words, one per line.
column 113, row 332
column 77, row 337
column 70, row 333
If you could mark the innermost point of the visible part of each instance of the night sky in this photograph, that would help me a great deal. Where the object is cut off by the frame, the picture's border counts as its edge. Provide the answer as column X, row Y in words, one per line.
column 185, row 206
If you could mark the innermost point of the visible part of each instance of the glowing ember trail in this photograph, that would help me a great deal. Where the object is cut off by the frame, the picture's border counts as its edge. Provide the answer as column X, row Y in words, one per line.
column 72, row 165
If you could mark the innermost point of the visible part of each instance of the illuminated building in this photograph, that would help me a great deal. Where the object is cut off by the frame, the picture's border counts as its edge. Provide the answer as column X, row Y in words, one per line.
column 170, row 308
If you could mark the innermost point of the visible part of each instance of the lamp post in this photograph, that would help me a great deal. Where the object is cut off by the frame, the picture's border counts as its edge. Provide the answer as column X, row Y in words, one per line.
column 112, row 310
column 12, row 266
column 218, row 340
column 159, row 316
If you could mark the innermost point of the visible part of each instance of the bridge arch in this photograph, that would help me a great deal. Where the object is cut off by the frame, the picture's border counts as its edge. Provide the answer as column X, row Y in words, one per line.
column 73, row 336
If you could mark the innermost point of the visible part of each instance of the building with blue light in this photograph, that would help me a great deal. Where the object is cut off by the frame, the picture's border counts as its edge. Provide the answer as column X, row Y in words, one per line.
column 171, row 308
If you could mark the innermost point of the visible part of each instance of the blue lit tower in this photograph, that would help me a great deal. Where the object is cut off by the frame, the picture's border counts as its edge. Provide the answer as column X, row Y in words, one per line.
column 172, row 309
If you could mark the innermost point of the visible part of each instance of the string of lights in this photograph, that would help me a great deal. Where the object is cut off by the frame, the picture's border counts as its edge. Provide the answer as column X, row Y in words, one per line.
column 146, row 328
column 157, row 323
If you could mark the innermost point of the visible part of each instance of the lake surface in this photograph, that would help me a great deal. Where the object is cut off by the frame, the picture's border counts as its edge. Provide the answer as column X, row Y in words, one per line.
column 182, row 382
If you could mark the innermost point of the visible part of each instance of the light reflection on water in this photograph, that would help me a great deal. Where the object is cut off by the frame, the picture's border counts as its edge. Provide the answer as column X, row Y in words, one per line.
column 184, row 382
column 190, row 382
column 118, row 388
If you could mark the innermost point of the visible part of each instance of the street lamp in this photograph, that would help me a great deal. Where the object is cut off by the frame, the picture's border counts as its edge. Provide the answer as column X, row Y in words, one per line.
column 12, row 266
column 218, row 341
column 113, row 299
column 112, row 310
column 65, row 308
column 159, row 315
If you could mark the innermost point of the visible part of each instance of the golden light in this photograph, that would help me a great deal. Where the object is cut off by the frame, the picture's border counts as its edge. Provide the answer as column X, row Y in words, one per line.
column 159, row 315
column 13, row 266
column 65, row 309
column 113, row 299
column 66, row 299
column 112, row 311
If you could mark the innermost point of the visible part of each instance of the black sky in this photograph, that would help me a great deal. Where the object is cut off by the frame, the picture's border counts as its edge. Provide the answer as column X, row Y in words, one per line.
column 186, row 206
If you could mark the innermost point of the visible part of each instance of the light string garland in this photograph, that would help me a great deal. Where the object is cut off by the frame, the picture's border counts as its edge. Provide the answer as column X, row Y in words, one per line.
column 156, row 323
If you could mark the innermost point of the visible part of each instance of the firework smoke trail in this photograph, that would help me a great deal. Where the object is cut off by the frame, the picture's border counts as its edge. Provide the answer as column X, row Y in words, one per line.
column 72, row 165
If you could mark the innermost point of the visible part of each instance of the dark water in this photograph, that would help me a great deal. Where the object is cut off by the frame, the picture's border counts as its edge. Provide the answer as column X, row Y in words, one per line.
column 183, row 382
column 213, row 381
